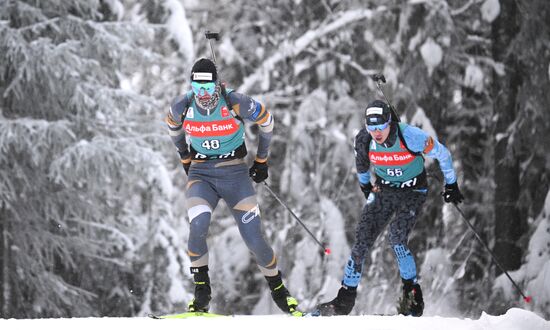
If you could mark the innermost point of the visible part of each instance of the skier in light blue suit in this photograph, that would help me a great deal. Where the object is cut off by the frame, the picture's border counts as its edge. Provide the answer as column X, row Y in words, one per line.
column 395, row 151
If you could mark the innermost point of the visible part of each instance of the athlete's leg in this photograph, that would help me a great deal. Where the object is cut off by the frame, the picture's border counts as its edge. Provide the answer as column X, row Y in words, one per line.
column 240, row 196
column 201, row 201
column 400, row 228
column 374, row 217
column 412, row 302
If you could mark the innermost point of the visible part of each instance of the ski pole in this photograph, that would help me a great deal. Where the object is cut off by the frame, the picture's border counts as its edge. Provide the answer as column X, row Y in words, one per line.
column 325, row 249
column 378, row 79
column 527, row 299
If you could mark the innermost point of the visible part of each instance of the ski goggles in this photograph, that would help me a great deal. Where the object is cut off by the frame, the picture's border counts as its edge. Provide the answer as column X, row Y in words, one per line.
column 380, row 127
column 202, row 88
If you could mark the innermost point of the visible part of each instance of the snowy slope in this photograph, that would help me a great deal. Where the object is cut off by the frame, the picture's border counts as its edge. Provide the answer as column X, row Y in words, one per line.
column 514, row 319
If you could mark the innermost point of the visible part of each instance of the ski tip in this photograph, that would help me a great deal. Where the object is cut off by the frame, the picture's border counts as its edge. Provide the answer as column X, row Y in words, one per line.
column 528, row 299
column 312, row 313
column 185, row 315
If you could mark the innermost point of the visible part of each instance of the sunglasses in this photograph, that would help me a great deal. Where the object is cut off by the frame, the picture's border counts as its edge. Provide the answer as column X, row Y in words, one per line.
column 380, row 127
column 201, row 89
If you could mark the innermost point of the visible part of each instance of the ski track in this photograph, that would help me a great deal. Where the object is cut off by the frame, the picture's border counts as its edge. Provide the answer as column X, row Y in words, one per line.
column 514, row 319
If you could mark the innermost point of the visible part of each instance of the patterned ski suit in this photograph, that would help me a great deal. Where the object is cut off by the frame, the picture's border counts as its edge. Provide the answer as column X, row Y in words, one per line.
column 401, row 176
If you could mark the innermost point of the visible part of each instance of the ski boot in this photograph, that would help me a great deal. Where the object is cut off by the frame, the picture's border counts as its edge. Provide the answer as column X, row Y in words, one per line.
column 341, row 305
column 281, row 296
column 202, row 290
column 412, row 302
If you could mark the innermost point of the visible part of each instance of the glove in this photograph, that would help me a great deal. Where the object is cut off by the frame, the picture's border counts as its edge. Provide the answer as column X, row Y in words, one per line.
column 452, row 194
column 366, row 189
column 184, row 161
column 258, row 172
column 186, row 167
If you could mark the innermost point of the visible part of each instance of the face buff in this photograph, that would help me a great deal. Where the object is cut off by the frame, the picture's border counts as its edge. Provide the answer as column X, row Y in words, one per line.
column 210, row 101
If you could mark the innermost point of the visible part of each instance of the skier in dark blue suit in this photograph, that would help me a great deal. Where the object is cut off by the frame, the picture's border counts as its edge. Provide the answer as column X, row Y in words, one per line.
column 212, row 119
column 395, row 152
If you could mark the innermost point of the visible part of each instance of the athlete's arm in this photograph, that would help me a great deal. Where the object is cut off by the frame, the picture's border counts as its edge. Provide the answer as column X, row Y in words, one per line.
column 254, row 111
column 362, row 161
column 419, row 141
column 174, row 120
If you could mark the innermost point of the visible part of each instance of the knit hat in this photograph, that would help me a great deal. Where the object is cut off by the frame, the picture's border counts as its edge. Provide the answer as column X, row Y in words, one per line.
column 377, row 112
column 204, row 70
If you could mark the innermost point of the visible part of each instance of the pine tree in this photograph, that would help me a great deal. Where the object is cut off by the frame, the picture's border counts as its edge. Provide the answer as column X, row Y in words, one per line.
column 85, row 188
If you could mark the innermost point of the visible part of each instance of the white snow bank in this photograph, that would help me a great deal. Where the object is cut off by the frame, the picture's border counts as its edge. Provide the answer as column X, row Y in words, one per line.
column 514, row 319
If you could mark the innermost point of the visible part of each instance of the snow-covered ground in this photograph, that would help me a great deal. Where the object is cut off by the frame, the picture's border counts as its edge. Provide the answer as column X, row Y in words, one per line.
column 514, row 319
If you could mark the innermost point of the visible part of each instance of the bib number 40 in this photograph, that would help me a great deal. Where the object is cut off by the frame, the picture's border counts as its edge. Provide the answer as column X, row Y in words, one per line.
column 394, row 172
column 211, row 144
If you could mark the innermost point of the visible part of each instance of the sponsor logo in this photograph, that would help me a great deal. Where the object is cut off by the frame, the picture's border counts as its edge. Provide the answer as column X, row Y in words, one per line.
column 375, row 111
column 390, row 158
column 213, row 128
column 250, row 215
column 225, row 112
column 255, row 111
column 202, row 76
column 190, row 113
column 407, row 184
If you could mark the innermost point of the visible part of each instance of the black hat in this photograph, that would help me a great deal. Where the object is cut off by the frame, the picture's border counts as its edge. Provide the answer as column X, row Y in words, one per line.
column 377, row 112
column 204, row 70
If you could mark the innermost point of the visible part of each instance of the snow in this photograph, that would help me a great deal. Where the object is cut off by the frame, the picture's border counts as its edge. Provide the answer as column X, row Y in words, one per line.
column 310, row 278
column 473, row 77
column 230, row 53
column 514, row 319
column 432, row 54
column 490, row 10
column 294, row 48
column 180, row 29
column 457, row 96
column 421, row 120
column 116, row 7
column 536, row 271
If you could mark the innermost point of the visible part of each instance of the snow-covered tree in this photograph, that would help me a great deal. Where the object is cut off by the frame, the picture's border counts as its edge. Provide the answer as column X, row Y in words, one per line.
column 91, row 216
column 86, row 191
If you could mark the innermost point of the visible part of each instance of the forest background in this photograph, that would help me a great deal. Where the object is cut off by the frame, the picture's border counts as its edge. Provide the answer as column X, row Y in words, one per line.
column 92, row 216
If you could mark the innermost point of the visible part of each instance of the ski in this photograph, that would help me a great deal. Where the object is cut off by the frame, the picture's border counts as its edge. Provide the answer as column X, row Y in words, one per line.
column 313, row 313
column 185, row 315
column 207, row 314
column 317, row 313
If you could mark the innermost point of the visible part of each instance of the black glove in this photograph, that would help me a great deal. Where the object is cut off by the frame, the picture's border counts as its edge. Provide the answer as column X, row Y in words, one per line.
column 366, row 189
column 185, row 162
column 452, row 194
column 186, row 167
column 258, row 172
